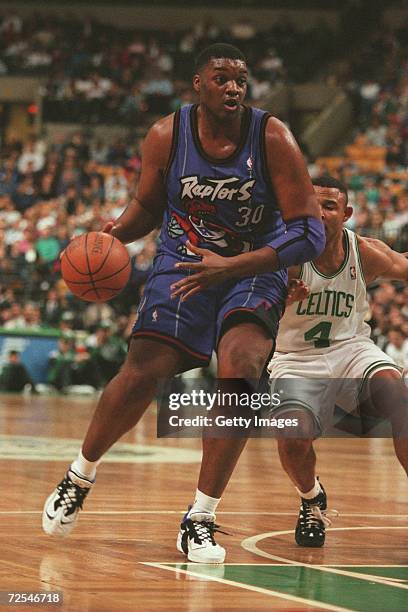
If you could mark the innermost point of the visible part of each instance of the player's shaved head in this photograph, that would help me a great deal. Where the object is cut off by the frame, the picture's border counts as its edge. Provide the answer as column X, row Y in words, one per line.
column 329, row 182
column 218, row 51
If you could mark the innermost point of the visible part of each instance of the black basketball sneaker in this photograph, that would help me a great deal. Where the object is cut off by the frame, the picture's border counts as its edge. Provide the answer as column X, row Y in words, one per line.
column 312, row 522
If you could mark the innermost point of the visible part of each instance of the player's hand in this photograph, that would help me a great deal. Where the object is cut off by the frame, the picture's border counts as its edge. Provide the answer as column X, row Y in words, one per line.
column 211, row 270
column 107, row 228
column 297, row 291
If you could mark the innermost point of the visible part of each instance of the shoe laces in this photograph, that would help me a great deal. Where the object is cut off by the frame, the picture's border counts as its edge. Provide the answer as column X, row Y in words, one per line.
column 71, row 496
column 315, row 516
column 205, row 531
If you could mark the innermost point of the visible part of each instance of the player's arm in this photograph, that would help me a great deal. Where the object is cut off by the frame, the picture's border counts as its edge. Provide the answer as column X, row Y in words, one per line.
column 145, row 211
column 304, row 239
column 294, row 272
column 380, row 261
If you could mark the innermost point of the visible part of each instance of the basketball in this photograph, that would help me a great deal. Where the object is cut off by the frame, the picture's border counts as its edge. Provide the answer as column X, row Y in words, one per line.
column 95, row 266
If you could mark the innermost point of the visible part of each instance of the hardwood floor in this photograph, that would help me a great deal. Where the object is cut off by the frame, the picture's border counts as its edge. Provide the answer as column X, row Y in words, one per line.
column 132, row 514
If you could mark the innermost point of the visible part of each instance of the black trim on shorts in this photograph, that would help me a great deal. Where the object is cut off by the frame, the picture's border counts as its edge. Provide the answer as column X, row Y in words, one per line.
column 193, row 359
column 174, row 144
column 268, row 319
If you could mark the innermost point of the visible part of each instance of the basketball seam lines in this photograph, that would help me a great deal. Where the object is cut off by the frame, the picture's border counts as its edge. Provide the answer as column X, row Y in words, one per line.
column 89, row 269
column 106, row 256
column 98, row 279
column 71, row 264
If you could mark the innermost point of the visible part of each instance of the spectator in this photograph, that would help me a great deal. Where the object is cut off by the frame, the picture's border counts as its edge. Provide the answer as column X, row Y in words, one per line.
column 14, row 376
column 47, row 247
column 107, row 350
column 15, row 318
column 397, row 348
column 70, row 365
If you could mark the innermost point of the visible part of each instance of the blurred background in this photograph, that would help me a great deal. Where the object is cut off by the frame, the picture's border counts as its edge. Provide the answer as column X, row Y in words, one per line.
column 81, row 82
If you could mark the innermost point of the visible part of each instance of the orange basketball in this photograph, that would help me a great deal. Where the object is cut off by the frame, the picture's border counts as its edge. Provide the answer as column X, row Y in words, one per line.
column 95, row 266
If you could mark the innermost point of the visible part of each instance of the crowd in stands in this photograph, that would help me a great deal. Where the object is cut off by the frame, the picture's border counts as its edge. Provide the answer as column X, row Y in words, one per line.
column 94, row 72
column 53, row 190
column 49, row 193
column 71, row 192
column 377, row 78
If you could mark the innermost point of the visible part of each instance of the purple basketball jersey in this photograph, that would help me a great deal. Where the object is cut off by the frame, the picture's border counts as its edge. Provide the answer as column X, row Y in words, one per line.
column 227, row 206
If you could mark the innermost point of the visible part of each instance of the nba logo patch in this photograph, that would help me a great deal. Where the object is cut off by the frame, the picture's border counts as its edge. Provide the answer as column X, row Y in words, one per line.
column 353, row 273
column 155, row 316
column 249, row 163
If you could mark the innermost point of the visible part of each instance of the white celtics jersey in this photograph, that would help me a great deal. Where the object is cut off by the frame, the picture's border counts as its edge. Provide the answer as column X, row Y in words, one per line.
column 334, row 311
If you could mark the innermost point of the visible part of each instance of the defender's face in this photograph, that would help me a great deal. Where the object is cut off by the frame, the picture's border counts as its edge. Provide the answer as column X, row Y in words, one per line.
column 335, row 211
column 221, row 86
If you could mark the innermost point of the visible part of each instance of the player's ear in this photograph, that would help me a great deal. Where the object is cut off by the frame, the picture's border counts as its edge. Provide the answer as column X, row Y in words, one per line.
column 196, row 83
column 348, row 212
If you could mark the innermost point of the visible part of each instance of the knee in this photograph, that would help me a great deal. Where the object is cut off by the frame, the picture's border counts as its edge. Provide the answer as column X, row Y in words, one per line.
column 306, row 429
column 240, row 363
column 135, row 380
column 295, row 449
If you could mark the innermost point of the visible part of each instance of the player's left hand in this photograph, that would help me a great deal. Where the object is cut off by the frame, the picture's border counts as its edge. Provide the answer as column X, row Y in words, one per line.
column 211, row 270
column 297, row 291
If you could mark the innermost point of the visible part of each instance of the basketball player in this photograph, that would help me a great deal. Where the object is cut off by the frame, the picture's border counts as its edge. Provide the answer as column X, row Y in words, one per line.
column 324, row 336
column 232, row 179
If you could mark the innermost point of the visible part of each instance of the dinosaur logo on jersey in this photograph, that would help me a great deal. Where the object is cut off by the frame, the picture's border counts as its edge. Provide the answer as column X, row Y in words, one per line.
column 216, row 189
column 201, row 226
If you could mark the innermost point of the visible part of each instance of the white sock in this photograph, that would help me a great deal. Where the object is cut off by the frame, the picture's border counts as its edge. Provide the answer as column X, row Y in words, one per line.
column 85, row 468
column 312, row 493
column 204, row 503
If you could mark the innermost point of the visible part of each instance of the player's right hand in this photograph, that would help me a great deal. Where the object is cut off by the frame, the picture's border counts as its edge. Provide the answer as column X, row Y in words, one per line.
column 211, row 270
column 297, row 291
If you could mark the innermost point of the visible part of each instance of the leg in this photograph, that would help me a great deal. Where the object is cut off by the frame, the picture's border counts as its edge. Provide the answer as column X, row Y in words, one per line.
column 389, row 396
column 297, row 455
column 298, row 459
column 127, row 396
column 120, row 407
column 242, row 354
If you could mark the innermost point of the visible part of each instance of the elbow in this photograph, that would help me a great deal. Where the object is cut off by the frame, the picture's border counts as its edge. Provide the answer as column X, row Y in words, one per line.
column 304, row 240
column 316, row 239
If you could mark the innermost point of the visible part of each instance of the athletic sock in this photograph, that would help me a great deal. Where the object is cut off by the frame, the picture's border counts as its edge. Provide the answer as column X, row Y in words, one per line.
column 312, row 493
column 204, row 503
column 85, row 468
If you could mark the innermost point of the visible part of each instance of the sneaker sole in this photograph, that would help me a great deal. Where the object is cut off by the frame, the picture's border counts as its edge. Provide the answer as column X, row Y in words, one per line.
column 178, row 543
column 310, row 545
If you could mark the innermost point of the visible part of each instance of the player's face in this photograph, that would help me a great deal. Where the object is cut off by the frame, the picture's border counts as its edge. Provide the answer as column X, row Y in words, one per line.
column 334, row 210
column 222, row 85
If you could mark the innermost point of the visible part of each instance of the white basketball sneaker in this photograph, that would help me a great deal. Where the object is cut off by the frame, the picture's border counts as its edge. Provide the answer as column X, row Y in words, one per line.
column 196, row 538
column 62, row 506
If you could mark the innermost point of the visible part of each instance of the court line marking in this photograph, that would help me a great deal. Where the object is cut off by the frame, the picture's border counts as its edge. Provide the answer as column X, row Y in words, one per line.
column 296, row 563
column 250, row 587
column 250, row 544
column 233, row 513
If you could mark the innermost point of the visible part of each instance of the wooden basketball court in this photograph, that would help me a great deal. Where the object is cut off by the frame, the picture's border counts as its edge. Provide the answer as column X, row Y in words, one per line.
column 122, row 556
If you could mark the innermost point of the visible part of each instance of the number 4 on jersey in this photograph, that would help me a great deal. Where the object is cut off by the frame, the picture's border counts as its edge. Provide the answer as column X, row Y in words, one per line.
column 319, row 334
